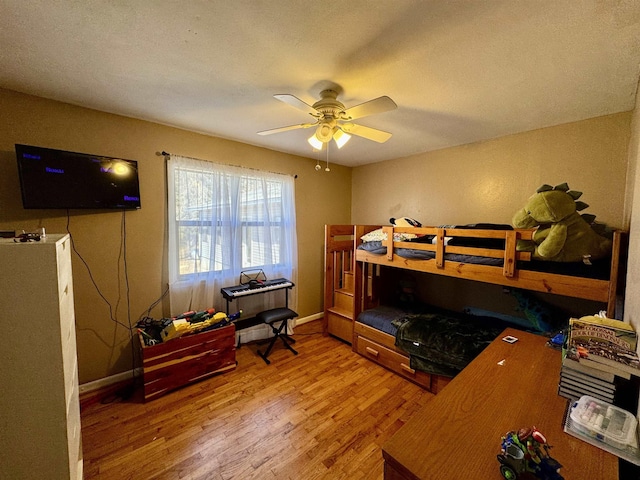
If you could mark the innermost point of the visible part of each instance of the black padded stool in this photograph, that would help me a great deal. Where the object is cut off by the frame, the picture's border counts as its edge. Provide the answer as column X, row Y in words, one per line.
column 277, row 315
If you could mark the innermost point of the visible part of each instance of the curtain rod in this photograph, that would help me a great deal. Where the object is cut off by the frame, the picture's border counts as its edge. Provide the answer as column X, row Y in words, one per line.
column 167, row 154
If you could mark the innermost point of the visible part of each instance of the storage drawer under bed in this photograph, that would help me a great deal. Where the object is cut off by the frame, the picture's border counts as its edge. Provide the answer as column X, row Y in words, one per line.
column 392, row 360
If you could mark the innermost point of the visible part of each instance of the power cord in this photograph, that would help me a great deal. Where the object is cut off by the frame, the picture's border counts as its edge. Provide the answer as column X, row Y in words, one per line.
column 127, row 391
column 75, row 250
column 147, row 313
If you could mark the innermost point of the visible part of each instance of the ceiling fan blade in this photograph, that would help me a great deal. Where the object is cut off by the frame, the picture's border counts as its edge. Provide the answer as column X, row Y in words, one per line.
column 369, row 133
column 295, row 102
column 377, row 105
column 286, row 129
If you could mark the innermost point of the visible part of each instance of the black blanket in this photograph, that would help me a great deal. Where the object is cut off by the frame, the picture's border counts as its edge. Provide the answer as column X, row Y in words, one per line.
column 443, row 344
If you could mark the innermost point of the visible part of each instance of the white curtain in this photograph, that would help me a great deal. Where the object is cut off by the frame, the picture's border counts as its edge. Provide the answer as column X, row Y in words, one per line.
column 223, row 220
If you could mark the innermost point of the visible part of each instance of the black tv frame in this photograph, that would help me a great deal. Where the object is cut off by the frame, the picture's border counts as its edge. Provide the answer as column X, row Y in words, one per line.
column 60, row 179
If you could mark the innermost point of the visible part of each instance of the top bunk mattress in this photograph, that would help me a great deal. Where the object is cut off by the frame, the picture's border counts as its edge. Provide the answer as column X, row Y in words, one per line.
column 596, row 269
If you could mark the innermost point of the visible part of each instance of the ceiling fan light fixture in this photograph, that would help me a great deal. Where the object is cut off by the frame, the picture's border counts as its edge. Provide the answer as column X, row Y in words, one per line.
column 333, row 121
column 341, row 138
column 324, row 132
column 314, row 142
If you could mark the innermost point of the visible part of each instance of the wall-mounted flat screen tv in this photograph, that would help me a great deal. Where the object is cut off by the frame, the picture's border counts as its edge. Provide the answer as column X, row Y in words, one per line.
column 59, row 179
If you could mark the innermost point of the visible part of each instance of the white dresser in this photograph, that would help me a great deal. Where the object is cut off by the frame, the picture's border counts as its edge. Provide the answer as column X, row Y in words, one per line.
column 39, row 406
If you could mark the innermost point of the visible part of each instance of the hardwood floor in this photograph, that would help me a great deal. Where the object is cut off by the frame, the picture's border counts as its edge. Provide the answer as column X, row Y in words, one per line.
column 321, row 414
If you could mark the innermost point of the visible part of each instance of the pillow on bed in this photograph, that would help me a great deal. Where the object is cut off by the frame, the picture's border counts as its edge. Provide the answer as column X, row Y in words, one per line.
column 373, row 247
column 379, row 236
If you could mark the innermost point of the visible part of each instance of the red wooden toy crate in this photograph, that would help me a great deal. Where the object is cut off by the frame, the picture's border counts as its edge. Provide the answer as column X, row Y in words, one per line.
column 187, row 359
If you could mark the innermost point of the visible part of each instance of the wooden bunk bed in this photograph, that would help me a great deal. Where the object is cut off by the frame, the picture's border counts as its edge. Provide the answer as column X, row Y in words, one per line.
column 351, row 274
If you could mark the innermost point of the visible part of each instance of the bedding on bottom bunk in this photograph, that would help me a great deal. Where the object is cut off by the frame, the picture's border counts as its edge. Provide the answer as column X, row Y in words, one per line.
column 438, row 342
column 444, row 344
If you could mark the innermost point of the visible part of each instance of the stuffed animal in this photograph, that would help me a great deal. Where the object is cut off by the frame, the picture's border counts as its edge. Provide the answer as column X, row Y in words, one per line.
column 563, row 235
column 404, row 222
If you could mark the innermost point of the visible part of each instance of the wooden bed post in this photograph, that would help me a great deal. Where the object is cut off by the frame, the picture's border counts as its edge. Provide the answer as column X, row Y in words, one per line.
column 440, row 247
column 509, row 253
column 388, row 242
column 358, row 286
column 328, row 277
column 616, row 271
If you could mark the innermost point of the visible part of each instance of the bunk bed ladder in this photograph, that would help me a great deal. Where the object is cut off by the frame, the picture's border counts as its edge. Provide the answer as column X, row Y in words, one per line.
column 344, row 281
column 339, row 289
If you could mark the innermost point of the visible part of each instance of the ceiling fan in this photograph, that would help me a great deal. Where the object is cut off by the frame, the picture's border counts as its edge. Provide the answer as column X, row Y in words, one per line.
column 333, row 120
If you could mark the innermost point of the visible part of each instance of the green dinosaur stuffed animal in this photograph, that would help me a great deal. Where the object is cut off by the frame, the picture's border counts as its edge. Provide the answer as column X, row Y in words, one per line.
column 563, row 235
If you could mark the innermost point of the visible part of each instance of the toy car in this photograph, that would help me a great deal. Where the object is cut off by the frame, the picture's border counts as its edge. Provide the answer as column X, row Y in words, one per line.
column 527, row 451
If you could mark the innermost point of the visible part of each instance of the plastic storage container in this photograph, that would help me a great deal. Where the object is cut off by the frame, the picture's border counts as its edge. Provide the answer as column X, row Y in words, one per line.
column 605, row 422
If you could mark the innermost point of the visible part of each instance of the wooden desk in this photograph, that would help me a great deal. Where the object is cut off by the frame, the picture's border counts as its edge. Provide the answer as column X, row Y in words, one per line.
column 457, row 434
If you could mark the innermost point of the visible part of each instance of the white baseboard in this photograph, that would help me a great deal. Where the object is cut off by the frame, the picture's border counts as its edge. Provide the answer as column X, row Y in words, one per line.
column 107, row 381
column 259, row 332
column 310, row 318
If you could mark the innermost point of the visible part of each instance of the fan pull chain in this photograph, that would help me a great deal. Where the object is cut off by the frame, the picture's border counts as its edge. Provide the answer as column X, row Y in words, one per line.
column 327, row 169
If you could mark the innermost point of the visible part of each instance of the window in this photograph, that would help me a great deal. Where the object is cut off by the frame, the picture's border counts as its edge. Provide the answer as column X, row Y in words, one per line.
column 224, row 219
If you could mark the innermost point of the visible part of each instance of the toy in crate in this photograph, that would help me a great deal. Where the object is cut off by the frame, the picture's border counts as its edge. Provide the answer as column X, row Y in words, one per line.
column 185, row 349
column 527, row 452
column 155, row 331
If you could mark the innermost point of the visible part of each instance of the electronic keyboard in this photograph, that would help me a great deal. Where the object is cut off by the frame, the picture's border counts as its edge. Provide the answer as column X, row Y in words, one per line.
column 230, row 293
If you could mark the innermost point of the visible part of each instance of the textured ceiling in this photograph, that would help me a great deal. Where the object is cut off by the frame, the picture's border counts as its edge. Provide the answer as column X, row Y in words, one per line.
column 459, row 71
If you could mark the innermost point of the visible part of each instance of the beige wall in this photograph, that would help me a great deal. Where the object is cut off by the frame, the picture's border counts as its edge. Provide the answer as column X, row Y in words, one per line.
column 490, row 181
column 104, row 347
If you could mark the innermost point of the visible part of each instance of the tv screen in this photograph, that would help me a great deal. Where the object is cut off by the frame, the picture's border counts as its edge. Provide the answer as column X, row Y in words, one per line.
column 58, row 179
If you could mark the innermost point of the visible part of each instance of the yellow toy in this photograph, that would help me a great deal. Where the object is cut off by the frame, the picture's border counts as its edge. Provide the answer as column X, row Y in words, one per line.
column 175, row 329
